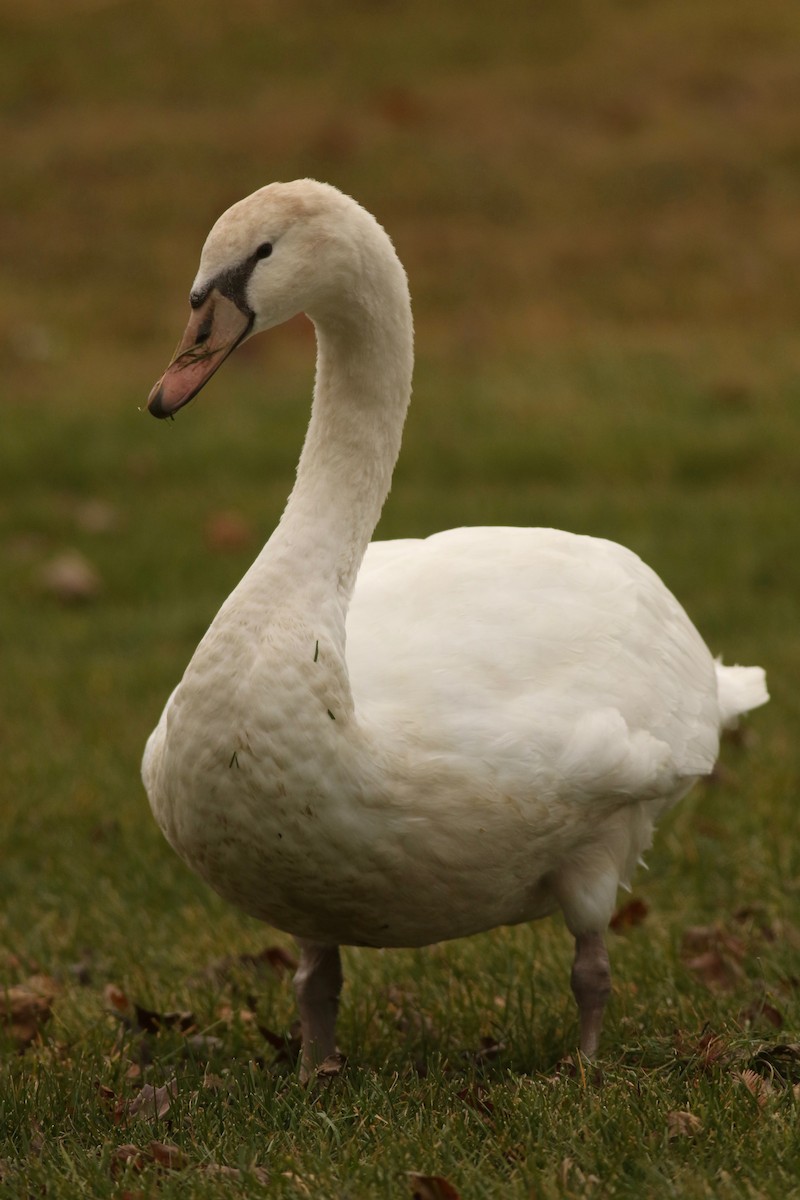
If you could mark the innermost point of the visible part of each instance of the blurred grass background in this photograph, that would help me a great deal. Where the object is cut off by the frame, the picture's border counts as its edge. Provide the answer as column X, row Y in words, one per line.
column 597, row 205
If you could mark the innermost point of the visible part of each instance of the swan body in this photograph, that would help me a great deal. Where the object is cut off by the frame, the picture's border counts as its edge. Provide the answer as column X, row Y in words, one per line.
column 391, row 744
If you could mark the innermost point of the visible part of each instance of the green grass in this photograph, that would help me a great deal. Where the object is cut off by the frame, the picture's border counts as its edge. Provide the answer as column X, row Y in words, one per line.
column 598, row 213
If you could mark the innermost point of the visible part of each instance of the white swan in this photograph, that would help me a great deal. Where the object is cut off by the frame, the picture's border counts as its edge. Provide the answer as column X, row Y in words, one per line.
column 397, row 743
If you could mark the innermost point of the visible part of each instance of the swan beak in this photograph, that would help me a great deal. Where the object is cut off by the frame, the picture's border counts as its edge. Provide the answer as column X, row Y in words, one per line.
column 214, row 330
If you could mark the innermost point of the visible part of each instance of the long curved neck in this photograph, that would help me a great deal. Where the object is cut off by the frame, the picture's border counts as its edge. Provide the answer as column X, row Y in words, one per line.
column 361, row 394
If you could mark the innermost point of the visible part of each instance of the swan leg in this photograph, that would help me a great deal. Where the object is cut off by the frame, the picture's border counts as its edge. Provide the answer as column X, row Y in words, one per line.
column 317, row 984
column 591, row 987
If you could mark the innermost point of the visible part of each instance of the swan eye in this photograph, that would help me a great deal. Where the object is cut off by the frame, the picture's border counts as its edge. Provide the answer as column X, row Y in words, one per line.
column 264, row 250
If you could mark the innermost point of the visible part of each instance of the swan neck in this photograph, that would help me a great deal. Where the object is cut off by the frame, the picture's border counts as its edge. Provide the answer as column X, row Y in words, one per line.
column 361, row 395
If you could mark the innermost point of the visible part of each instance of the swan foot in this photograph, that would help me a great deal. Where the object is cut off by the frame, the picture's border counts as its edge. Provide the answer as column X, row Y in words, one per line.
column 317, row 984
column 591, row 987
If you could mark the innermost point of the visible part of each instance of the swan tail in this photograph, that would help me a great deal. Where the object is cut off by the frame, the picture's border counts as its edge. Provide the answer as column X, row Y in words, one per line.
column 739, row 689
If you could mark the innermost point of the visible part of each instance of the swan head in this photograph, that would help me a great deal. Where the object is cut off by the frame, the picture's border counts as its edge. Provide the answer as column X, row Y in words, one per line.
column 287, row 248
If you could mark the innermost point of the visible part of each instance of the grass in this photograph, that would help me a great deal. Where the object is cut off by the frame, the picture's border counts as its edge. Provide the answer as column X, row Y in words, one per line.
column 597, row 206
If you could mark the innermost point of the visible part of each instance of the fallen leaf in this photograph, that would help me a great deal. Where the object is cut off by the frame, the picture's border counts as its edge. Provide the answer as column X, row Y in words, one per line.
column 298, row 1183
column 782, row 1061
column 96, row 516
column 70, row 578
column 682, row 1124
column 276, row 958
column 226, row 532
column 331, row 1067
column 431, row 1187
column 711, row 1049
column 204, row 1044
column 717, row 971
column 488, row 1049
column 171, row 1158
column 697, row 938
column 476, row 1096
column 106, row 1094
column 26, row 1007
column 215, row 1083
column 153, row 1022
column 115, row 999
column 230, row 1015
column 81, row 971
column 629, row 915
column 153, row 1101
column 261, row 1174
column 403, row 1006
column 127, row 1155
column 145, row 1020
column 167, row 1156
column 570, row 1174
column 715, row 955
column 400, row 106
column 43, row 985
column 286, row 1045
column 760, row 1010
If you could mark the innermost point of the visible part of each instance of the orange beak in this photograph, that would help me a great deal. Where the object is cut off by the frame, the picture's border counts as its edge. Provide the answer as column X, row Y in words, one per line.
column 214, row 330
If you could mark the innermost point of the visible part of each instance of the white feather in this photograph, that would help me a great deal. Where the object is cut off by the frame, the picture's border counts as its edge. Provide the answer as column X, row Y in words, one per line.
column 408, row 741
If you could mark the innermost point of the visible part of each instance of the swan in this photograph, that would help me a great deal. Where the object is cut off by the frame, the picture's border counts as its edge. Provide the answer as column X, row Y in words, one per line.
column 391, row 744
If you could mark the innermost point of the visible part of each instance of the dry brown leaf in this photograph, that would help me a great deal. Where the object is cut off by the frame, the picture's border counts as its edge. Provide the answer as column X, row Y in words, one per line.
column 204, row 1044
column 230, row 1015
column 400, row 106
column 682, row 1123
column 782, row 1060
column 431, row 1187
column 70, row 578
column 116, row 1001
column 629, row 915
column 162, row 1154
column 165, row 1155
column 477, row 1097
column 570, row 1174
column 127, row 1155
column 760, row 1010
column 171, row 1158
column 711, row 1048
column 227, row 532
column 717, row 971
column 714, row 955
column 275, row 958
column 488, row 1049
column 26, row 1007
column 331, row 1067
column 81, row 971
column 43, row 985
column 96, row 516
column 278, row 958
column 147, row 1020
column 287, row 1045
column 215, row 1083
column 301, row 1185
column 106, row 1094
column 150, row 1021
column 403, row 1005
column 698, row 938
column 153, row 1101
